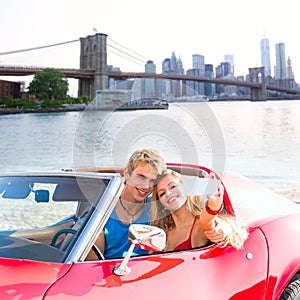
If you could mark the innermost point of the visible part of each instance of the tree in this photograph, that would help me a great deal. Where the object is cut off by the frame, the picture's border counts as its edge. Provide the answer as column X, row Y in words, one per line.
column 49, row 84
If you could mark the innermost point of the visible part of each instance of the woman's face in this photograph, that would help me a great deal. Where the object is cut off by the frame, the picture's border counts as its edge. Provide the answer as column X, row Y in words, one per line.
column 170, row 192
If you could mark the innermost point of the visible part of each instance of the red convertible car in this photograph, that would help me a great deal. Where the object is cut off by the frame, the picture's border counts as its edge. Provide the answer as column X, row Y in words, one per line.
column 50, row 221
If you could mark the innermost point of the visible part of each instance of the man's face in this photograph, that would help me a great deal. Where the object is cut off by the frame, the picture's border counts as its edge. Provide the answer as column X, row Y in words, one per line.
column 141, row 181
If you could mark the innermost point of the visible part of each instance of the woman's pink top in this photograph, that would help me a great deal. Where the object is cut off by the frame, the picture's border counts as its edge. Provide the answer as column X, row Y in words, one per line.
column 187, row 244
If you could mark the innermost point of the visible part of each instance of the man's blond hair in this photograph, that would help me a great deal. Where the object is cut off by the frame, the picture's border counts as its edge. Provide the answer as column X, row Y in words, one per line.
column 149, row 156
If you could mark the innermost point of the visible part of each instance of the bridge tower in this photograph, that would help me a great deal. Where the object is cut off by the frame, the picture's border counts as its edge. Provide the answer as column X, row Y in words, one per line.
column 93, row 56
column 257, row 75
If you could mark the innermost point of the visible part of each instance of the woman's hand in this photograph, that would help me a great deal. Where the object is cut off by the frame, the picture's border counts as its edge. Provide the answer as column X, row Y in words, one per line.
column 208, row 218
column 219, row 233
column 214, row 203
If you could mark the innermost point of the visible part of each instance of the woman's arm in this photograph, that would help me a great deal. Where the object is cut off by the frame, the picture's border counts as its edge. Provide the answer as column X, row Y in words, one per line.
column 220, row 227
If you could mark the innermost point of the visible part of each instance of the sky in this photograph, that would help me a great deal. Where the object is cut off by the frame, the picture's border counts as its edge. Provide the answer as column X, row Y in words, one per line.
column 149, row 30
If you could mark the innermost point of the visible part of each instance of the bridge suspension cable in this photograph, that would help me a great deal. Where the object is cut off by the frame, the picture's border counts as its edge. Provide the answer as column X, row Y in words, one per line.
column 135, row 53
column 127, row 54
column 131, row 55
column 123, row 52
column 134, row 61
column 37, row 48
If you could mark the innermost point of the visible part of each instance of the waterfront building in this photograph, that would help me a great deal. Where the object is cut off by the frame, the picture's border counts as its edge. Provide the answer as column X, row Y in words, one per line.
column 265, row 56
column 222, row 71
column 180, row 69
column 114, row 84
column 209, row 88
column 280, row 68
column 291, row 83
column 165, row 85
column 149, row 83
column 10, row 89
column 219, row 74
column 166, row 66
column 226, row 69
column 198, row 62
column 209, row 68
column 172, row 88
column 194, row 87
column 230, row 89
column 284, row 76
column 229, row 58
column 242, row 90
column 173, row 63
column 290, row 73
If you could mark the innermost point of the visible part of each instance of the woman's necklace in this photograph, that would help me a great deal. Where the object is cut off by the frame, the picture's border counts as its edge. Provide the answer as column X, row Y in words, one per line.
column 129, row 213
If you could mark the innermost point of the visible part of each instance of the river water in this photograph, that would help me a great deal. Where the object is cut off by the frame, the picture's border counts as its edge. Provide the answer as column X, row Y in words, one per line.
column 259, row 140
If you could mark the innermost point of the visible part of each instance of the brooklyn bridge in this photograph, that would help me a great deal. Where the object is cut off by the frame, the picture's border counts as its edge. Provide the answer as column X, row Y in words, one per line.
column 94, row 74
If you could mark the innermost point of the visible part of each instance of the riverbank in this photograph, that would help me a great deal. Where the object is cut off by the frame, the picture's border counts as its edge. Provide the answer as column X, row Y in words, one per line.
column 11, row 111
column 8, row 111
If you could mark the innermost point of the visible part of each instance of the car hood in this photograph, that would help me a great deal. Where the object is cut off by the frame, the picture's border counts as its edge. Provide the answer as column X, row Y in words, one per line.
column 253, row 203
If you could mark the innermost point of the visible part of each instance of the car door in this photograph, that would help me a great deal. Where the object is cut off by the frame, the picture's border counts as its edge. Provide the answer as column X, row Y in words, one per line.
column 26, row 279
column 213, row 272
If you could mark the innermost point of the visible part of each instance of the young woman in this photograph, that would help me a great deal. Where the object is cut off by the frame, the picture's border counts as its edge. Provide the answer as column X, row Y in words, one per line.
column 187, row 220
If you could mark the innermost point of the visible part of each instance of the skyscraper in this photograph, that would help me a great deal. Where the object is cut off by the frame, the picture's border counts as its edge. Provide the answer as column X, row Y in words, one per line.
column 166, row 66
column 229, row 58
column 172, row 66
column 150, row 67
column 198, row 63
column 198, row 70
column 265, row 56
column 290, row 74
column 180, row 69
column 280, row 68
column 173, row 63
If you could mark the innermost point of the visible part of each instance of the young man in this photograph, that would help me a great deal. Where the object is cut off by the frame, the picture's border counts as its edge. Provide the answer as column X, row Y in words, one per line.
column 141, row 173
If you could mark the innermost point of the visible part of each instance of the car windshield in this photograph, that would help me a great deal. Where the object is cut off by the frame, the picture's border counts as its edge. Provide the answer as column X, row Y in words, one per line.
column 33, row 202
column 38, row 212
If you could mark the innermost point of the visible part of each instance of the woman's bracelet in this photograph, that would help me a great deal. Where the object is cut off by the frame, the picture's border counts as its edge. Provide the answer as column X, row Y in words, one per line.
column 213, row 212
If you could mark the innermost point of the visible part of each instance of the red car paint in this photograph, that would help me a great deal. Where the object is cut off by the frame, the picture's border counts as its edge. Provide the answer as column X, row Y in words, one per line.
column 261, row 270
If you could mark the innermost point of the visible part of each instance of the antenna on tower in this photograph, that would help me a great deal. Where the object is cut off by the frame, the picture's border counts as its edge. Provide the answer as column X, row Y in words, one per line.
column 264, row 33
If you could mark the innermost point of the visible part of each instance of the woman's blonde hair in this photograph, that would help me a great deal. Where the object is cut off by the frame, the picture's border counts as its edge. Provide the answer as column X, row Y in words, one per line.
column 162, row 217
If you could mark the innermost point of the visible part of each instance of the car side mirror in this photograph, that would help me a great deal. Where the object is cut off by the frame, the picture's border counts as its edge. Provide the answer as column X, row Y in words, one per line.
column 145, row 237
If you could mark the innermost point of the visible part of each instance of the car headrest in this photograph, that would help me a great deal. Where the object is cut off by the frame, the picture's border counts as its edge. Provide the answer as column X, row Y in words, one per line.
column 73, row 191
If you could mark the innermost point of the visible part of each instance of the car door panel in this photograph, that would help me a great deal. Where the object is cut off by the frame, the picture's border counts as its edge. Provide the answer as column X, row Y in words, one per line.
column 208, row 273
column 25, row 279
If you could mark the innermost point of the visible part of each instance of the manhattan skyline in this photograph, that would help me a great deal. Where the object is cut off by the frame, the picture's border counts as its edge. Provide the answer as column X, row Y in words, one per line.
column 153, row 31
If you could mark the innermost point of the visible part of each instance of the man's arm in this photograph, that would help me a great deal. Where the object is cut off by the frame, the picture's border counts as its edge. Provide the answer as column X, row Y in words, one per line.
column 100, row 244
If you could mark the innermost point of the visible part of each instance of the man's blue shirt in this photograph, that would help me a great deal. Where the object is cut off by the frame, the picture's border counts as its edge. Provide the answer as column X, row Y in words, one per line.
column 116, row 234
